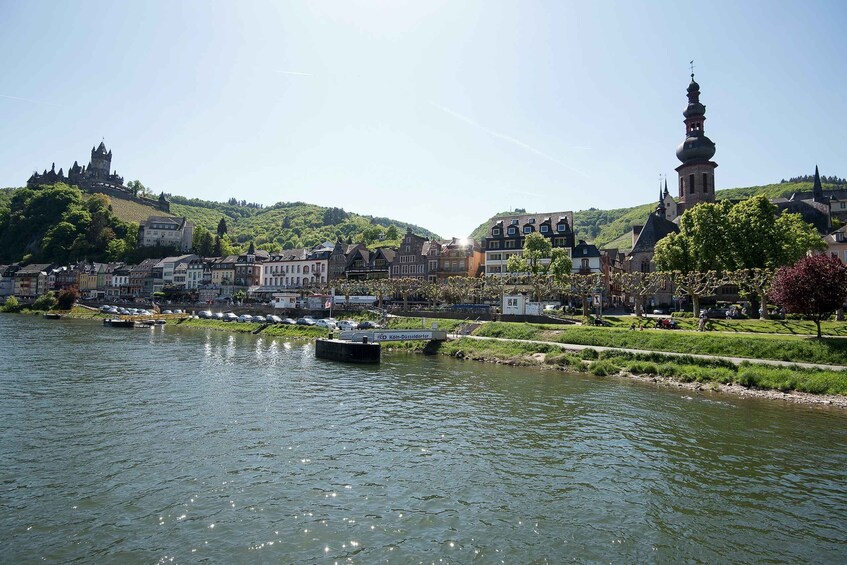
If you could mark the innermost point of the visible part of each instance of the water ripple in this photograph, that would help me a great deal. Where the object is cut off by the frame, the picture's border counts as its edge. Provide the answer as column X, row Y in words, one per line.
column 191, row 445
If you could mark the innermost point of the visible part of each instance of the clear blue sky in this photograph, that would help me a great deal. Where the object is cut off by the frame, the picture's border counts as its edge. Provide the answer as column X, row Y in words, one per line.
column 436, row 113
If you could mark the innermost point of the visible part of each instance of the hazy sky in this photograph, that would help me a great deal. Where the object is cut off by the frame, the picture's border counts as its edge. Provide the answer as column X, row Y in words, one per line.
column 436, row 113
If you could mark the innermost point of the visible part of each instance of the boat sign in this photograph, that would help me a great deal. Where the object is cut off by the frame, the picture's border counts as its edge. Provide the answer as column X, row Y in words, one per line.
column 395, row 335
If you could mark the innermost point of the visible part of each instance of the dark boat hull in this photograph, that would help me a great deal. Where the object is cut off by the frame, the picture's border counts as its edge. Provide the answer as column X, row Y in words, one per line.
column 347, row 351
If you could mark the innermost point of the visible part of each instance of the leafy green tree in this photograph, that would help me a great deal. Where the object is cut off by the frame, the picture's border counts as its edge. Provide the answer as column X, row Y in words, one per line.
column 544, row 268
column 391, row 233
column 45, row 302
column 222, row 229
column 761, row 241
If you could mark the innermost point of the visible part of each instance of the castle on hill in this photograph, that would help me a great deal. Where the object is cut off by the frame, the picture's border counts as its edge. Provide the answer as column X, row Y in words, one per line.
column 95, row 178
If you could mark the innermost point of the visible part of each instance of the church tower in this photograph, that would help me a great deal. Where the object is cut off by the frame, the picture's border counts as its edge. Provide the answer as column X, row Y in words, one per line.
column 697, row 172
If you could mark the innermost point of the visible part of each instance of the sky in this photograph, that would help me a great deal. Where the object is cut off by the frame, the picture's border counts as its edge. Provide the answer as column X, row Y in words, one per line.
column 437, row 113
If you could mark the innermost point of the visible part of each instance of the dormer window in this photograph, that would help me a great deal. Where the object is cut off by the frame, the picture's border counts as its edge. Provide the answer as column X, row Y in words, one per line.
column 514, row 222
column 512, row 231
column 495, row 231
column 527, row 229
column 544, row 229
column 560, row 228
column 532, row 220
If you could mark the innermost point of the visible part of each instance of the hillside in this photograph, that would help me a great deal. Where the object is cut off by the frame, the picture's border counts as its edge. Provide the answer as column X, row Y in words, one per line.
column 612, row 228
column 288, row 225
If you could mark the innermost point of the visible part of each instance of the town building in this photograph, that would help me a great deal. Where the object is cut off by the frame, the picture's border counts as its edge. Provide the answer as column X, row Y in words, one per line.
column 586, row 259
column 166, row 232
column 460, row 257
column 295, row 268
column 31, row 281
column 506, row 236
column 697, row 171
column 412, row 258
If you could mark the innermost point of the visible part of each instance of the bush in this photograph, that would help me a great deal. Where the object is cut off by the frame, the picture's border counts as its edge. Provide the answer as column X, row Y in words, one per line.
column 642, row 368
column 45, row 301
column 11, row 305
column 603, row 368
column 588, row 354
column 682, row 315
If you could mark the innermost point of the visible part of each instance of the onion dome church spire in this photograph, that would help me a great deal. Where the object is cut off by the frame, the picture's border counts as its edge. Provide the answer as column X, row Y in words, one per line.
column 697, row 172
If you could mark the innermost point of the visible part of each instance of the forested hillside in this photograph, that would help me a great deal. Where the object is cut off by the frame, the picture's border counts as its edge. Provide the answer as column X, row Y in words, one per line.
column 61, row 223
column 289, row 225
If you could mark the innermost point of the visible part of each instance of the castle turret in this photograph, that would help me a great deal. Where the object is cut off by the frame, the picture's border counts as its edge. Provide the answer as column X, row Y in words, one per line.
column 697, row 172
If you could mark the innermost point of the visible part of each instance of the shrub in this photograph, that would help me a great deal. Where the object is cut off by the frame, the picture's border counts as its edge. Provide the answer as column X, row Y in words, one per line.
column 603, row 368
column 11, row 305
column 642, row 368
column 588, row 354
column 45, row 301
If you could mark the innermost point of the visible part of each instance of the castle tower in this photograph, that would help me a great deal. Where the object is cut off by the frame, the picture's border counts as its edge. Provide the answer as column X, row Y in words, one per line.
column 697, row 172
column 101, row 162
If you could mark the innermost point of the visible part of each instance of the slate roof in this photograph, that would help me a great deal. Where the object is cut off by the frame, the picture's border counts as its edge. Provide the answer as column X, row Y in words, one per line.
column 655, row 229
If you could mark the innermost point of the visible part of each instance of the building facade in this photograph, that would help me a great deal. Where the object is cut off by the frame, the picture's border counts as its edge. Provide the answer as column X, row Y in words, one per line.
column 167, row 232
column 506, row 237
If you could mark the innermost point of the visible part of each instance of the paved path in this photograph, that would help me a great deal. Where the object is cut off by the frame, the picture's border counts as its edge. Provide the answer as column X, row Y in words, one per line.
column 736, row 360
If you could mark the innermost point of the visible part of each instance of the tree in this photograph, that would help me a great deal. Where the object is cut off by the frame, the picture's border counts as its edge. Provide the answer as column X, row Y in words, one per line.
column 391, row 233
column 406, row 287
column 696, row 254
column 11, row 305
column 583, row 286
column 66, row 298
column 639, row 285
column 760, row 240
column 541, row 264
column 814, row 286
column 222, row 229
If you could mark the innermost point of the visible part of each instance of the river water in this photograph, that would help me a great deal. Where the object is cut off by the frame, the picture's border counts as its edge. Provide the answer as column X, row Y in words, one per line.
column 184, row 445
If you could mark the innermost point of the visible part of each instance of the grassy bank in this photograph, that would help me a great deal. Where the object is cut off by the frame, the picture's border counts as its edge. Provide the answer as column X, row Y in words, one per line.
column 681, row 369
column 831, row 351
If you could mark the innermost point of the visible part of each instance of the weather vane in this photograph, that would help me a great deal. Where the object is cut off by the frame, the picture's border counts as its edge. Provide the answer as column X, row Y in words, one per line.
column 692, row 67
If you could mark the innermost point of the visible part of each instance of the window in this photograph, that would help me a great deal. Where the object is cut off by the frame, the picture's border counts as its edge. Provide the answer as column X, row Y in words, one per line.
column 544, row 229
column 494, row 245
column 691, row 184
column 527, row 229
column 512, row 231
column 510, row 245
column 560, row 228
column 514, row 222
column 584, row 264
column 705, row 182
column 495, row 231
column 532, row 220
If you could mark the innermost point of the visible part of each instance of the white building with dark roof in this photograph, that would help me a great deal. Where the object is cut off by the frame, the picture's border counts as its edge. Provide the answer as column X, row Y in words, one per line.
column 166, row 231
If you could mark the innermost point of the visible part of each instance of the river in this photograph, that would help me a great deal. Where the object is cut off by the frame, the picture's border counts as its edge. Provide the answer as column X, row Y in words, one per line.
column 184, row 445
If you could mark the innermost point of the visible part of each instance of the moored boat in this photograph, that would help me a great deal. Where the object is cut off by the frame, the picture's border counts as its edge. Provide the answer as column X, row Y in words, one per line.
column 118, row 323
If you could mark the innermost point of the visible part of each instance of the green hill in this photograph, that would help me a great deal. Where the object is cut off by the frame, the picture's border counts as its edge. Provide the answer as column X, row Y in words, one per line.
column 610, row 229
column 288, row 225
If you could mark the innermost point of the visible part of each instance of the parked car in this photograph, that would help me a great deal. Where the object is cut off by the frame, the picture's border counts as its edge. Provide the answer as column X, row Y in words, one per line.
column 272, row 319
column 348, row 325
column 367, row 325
column 305, row 321
column 167, row 312
column 289, row 321
column 326, row 323
column 205, row 315
column 218, row 316
column 245, row 318
column 229, row 317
